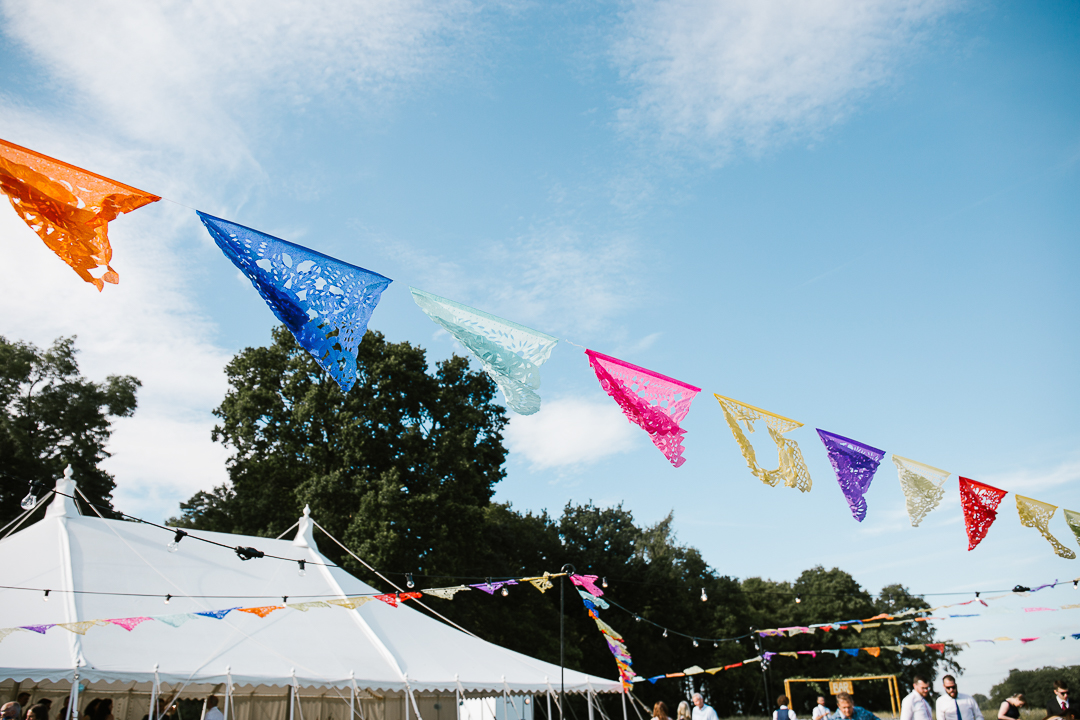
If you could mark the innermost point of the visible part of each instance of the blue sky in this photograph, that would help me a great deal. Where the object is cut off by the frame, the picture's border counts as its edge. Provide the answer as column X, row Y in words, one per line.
column 861, row 216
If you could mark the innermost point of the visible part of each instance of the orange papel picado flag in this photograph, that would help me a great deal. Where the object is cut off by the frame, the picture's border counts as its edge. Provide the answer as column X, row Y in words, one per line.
column 68, row 207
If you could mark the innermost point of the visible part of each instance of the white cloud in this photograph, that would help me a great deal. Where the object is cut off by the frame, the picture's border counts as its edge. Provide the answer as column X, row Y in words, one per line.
column 159, row 95
column 558, row 280
column 181, row 73
column 720, row 76
column 1065, row 473
column 571, row 431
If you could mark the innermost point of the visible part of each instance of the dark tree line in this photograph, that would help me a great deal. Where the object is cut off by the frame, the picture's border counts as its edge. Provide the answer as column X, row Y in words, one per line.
column 52, row 417
column 403, row 468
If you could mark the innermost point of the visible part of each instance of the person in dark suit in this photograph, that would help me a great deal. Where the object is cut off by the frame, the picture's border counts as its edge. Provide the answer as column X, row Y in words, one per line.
column 1060, row 705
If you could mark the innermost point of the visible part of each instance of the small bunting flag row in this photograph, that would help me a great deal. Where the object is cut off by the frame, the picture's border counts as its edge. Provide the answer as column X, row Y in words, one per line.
column 327, row 305
column 768, row 657
column 541, row 583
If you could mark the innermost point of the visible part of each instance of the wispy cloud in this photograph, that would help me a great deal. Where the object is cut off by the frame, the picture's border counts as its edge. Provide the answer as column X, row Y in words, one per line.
column 748, row 74
column 1027, row 480
column 569, row 432
column 182, row 74
column 557, row 279
column 158, row 95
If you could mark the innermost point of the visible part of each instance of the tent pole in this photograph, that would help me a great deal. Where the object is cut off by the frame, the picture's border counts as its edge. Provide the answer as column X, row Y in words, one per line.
column 73, row 703
column 228, row 691
column 152, row 713
column 589, row 697
column 292, row 695
column 624, row 716
column 352, row 696
column 548, row 705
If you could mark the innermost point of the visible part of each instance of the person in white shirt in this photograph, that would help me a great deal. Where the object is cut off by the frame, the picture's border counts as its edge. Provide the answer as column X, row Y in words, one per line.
column 702, row 711
column 914, row 706
column 957, row 706
column 212, row 712
column 783, row 713
column 821, row 710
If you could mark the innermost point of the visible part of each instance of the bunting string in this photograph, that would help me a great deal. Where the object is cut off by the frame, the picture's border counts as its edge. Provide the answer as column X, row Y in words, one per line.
column 874, row 651
column 327, row 305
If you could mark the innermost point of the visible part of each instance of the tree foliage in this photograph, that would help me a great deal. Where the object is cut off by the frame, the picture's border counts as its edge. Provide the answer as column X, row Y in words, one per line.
column 51, row 417
column 403, row 468
column 400, row 469
column 1037, row 685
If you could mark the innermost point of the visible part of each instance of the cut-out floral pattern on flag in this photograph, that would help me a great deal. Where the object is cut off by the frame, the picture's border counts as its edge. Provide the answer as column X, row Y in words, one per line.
column 980, row 503
column 654, row 402
column 510, row 353
column 41, row 629
column 349, row 603
column 792, row 469
column 1037, row 514
column 392, row 599
column 855, row 464
column 217, row 614
column 922, row 486
column 80, row 627
column 68, row 207
column 588, row 582
column 446, row 593
column 1072, row 519
column 175, row 620
column 325, row 303
column 128, row 624
column 262, row 611
column 541, row 583
column 491, row 587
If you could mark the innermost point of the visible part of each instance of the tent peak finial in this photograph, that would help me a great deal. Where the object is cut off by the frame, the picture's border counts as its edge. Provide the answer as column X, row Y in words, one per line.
column 63, row 504
column 305, row 530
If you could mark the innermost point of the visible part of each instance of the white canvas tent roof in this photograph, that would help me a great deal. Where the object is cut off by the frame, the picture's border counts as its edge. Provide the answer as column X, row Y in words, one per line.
column 385, row 649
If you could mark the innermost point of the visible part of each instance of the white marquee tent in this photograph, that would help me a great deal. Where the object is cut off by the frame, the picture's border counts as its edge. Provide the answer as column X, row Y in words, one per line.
column 390, row 661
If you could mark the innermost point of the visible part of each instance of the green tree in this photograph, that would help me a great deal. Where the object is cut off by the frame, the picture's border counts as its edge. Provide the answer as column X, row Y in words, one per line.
column 51, row 417
column 1037, row 685
column 821, row 595
column 401, row 468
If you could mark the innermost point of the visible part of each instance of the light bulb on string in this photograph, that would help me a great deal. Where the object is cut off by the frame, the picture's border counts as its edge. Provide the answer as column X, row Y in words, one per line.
column 46, row 598
column 505, row 592
column 1076, row 584
column 716, row 644
column 637, row 618
column 409, row 581
column 167, row 599
column 798, row 598
column 603, row 583
column 665, row 632
column 301, row 571
column 704, row 597
column 175, row 544
column 695, row 642
column 284, row 599
column 29, row 502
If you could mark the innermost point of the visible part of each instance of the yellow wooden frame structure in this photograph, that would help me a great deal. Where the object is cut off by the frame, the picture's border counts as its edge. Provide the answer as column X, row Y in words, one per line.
column 894, row 687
